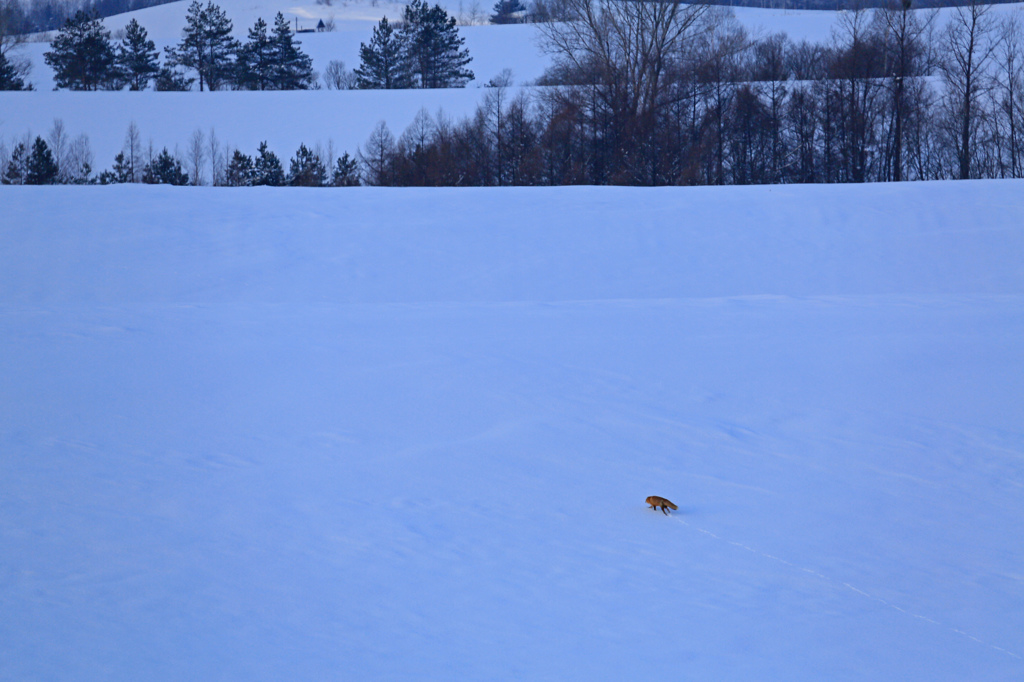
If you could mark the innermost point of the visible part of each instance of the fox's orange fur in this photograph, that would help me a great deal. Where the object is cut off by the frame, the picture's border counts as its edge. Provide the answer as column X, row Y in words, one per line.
column 656, row 502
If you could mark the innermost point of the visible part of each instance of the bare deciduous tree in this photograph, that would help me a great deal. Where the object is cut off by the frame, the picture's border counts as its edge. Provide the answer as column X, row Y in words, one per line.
column 625, row 49
column 133, row 153
column 856, row 69
column 195, row 157
column 337, row 77
column 377, row 153
column 58, row 142
column 79, row 159
column 970, row 45
column 1009, row 83
column 217, row 157
column 493, row 108
column 907, row 59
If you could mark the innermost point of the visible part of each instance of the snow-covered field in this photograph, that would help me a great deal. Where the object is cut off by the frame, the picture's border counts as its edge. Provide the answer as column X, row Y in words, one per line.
column 407, row 434
column 371, row 434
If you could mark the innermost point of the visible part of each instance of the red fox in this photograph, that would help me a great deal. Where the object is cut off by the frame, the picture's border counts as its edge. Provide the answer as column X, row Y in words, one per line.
column 656, row 502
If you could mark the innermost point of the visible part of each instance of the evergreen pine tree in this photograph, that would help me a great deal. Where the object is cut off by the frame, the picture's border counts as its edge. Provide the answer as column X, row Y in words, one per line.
column 346, row 172
column 292, row 68
column 137, row 57
column 82, row 56
column 164, row 170
column 40, row 169
column 206, row 46
column 120, row 173
column 267, row 168
column 384, row 63
column 82, row 177
column 14, row 173
column 171, row 77
column 255, row 65
column 435, row 48
column 10, row 77
column 306, row 169
column 240, row 171
column 508, row 12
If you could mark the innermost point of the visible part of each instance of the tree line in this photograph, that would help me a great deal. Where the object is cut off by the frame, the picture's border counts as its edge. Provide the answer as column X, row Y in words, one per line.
column 423, row 50
column 893, row 96
column 37, row 16
column 58, row 158
column 671, row 94
column 83, row 56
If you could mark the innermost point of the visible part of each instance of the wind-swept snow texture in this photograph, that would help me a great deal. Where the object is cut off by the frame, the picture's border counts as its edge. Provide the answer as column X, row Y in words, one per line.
column 407, row 434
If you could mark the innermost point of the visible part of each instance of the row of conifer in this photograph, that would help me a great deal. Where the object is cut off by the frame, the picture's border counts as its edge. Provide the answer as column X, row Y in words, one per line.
column 422, row 50
column 84, row 57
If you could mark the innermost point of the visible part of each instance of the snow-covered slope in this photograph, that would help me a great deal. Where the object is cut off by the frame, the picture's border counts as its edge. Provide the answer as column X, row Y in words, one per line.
column 407, row 434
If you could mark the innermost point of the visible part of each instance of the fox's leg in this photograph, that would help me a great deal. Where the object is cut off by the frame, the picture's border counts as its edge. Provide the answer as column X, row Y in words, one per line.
column 664, row 510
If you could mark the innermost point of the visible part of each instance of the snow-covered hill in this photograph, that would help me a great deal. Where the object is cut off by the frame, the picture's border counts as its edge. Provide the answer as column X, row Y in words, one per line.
column 285, row 120
column 371, row 434
column 493, row 48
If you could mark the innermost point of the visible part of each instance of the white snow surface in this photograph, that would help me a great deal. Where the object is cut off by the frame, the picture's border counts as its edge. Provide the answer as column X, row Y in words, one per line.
column 406, row 434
